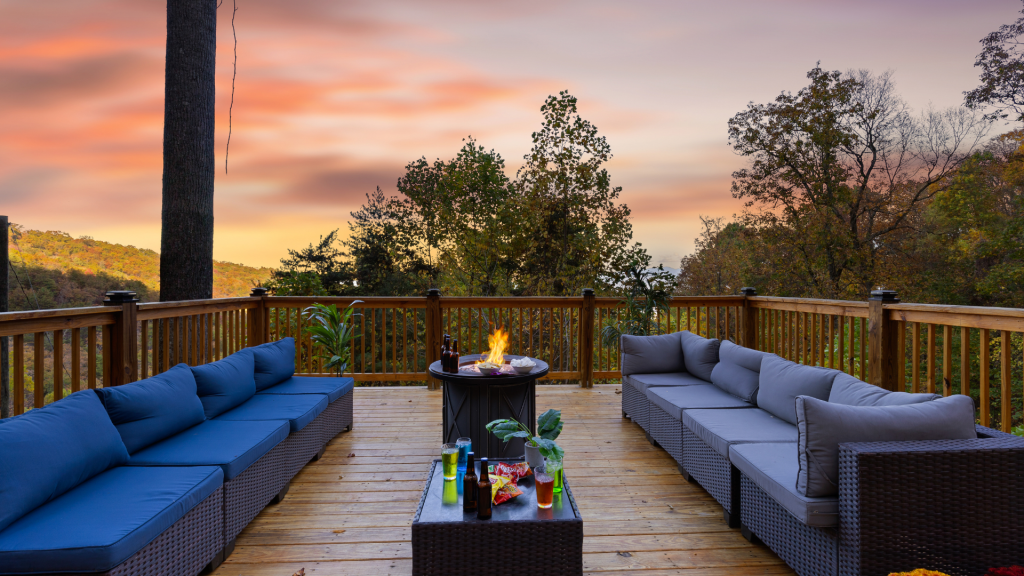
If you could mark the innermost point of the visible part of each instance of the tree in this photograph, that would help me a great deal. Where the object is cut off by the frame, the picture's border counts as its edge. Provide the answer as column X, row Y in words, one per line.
column 317, row 270
column 1002, row 73
column 186, row 242
column 719, row 263
column 580, row 234
column 839, row 171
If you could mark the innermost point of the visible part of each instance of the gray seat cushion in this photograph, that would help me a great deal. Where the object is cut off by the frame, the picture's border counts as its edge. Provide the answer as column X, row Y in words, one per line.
column 853, row 392
column 781, row 381
column 699, row 354
column 773, row 467
column 721, row 429
column 823, row 426
column 644, row 381
column 651, row 354
column 738, row 370
column 675, row 399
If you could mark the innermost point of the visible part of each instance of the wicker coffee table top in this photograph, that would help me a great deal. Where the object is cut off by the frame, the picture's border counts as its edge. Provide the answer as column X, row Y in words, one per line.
column 442, row 502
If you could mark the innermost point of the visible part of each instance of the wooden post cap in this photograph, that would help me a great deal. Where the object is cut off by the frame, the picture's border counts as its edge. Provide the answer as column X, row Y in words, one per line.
column 258, row 291
column 119, row 297
column 434, row 292
column 588, row 291
column 884, row 295
column 748, row 291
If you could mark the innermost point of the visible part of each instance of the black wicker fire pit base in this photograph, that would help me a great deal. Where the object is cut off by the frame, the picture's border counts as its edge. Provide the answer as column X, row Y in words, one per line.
column 472, row 399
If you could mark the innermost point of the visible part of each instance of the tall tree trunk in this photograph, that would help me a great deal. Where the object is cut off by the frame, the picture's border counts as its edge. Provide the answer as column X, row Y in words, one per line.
column 186, row 242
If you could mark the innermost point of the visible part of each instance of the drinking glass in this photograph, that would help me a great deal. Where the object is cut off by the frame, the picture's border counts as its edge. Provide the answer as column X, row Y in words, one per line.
column 545, row 485
column 449, row 461
column 450, row 493
column 465, row 447
column 553, row 467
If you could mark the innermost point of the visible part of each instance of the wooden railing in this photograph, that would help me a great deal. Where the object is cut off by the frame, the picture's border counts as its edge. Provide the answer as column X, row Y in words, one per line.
column 910, row 347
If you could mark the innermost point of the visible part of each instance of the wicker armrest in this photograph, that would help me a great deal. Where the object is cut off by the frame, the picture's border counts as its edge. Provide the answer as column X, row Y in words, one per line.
column 984, row 432
column 951, row 505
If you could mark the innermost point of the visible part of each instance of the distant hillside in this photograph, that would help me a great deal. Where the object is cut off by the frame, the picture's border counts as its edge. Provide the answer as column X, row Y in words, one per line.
column 65, row 272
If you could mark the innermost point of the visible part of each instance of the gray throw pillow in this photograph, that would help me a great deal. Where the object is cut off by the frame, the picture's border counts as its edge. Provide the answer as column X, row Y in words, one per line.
column 699, row 354
column 651, row 354
column 823, row 426
column 853, row 392
column 738, row 370
column 781, row 381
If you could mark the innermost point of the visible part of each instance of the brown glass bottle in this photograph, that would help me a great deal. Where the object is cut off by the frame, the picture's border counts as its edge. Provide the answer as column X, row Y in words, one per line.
column 469, row 487
column 453, row 363
column 446, row 353
column 483, row 496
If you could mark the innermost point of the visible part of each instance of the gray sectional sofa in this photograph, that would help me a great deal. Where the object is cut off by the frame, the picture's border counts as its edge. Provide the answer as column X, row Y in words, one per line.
column 805, row 459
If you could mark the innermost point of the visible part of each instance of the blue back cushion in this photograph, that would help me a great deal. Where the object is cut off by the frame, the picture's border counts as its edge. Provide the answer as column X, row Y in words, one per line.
column 275, row 362
column 651, row 354
column 738, row 371
column 781, row 381
column 226, row 383
column 150, row 410
column 48, row 451
column 700, row 355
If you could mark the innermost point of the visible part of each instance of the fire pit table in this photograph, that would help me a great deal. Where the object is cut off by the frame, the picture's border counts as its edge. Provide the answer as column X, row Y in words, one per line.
column 473, row 398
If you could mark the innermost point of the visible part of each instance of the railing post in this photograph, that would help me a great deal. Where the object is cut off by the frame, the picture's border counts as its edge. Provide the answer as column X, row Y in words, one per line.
column 586, row 340
column 433, row 332
column 749, row 329
column 257, row 318
column 123, row 342
column 883, row 338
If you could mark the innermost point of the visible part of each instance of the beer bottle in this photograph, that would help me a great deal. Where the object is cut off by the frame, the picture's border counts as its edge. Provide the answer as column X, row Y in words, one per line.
column 446, row 353
column 454, row 362
column 483, row 496
column 469, row 487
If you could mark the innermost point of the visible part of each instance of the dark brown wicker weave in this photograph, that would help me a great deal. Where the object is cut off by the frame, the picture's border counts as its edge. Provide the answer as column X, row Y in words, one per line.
column 184, row 549
column 956, row 506
column 714, row 472
column 338, row 416
column 508, row 548
column 248, row 493
column 667, row 432
column 809, row 551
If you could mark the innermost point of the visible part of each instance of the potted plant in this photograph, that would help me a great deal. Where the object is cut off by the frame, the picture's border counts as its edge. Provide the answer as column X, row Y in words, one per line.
column 647, row 294
column 539, row 447
column 332, row 332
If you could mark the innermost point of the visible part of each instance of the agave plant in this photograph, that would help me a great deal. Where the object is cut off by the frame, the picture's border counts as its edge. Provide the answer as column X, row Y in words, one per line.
column 333, row 333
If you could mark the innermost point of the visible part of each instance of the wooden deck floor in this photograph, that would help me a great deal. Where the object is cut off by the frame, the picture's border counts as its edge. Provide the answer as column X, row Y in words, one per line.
column 350, row 513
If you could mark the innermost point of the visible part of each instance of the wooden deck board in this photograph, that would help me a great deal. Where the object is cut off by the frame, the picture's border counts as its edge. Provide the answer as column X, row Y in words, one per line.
column 350, row 512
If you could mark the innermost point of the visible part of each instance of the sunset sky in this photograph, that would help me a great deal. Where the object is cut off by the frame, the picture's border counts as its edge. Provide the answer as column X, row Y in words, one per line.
column 335, row 97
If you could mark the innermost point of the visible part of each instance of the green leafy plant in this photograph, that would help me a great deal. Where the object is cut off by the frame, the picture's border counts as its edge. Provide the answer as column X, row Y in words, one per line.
column 333, row 333
column 549, row 426
column 647, row 295
column 1017, row 430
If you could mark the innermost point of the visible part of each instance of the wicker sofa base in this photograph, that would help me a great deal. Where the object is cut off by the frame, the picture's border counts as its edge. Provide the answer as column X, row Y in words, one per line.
column 808, row 550
column 301, row 447
column 635, row 404
column 715, row 473
column 667, row 432
column 338, row 416
column 248, row 493
column 184, row 549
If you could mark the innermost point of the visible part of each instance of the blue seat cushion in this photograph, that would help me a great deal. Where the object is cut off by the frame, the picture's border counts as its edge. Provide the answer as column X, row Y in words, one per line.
column 104, row 521
column 297, row 409
column 150, row 410
column 225, row 384
column 773, row 467
column 233, row 446
column 675, row 399
column 642, row 382
column 50, row 450
column 275, row 362
column 332, row 386
column 721, row 429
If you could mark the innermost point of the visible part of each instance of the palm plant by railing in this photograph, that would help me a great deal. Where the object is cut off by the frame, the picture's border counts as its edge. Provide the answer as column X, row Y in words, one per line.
column 647, row 296
column 332, row 332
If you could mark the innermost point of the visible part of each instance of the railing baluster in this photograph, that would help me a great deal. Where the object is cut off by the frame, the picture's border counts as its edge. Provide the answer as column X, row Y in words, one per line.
column 39, row 375
column 931, row 358
column 947, row 360
column 143, row 349
column 965, row 361
column 19, row 374
column 1005, row 404
column 90, row 356
column 984, row 360
column 76, row 359
column 58, row 365
column 915, row 353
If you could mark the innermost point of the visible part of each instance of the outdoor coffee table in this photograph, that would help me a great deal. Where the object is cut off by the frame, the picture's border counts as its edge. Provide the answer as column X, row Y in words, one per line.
column 520, row 538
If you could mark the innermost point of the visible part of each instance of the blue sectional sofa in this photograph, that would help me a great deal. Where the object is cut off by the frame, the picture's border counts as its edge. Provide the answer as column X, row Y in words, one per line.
column 159, row 476
column 804, row 459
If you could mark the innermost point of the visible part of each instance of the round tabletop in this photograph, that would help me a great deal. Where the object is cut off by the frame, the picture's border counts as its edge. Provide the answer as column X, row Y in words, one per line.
column 467, row 377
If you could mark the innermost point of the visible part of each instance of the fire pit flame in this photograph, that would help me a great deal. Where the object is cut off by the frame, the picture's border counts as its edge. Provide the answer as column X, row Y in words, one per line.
column 496, row 355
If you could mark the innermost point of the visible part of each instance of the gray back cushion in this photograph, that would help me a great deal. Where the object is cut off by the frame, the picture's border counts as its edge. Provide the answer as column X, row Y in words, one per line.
column 651, row 354
column 823, row 426
column 699, row 354
column 781, row 381
column 738, row 370
column 853, row 392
